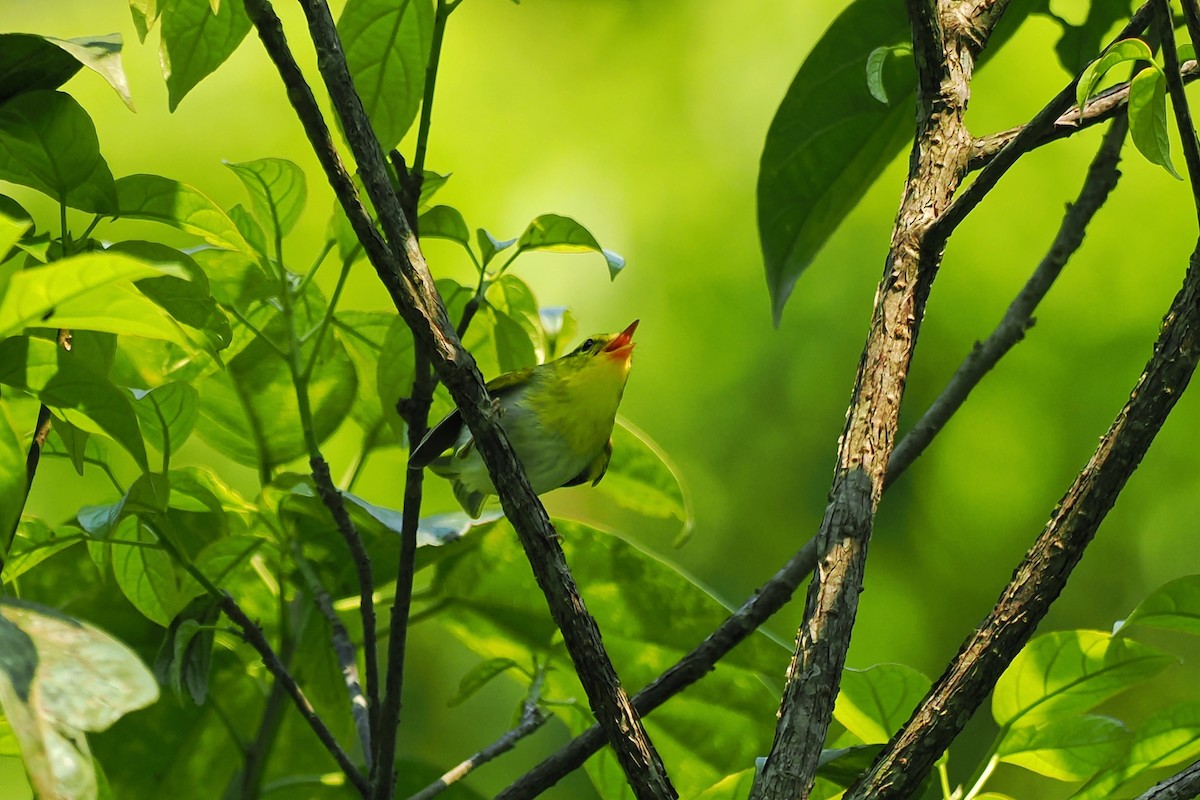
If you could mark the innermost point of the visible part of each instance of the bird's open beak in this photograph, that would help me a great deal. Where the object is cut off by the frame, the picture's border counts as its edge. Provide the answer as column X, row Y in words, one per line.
column 622, row 343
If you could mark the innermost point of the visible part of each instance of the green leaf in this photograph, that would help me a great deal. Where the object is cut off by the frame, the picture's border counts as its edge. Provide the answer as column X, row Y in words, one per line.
column 1187, row 52
column 559, row 327
column 363, row 333
column 251, row 231
column 160, row 199
column 29, row 63
column 479, row 676
column 387, row 45
column 34, row 543
column 83, row 292
column 1119, row 53
column 11, row 231
column 873, row 703
column 875, row 64
column 642, row 478
column 195, row 41
column 168, row 413
column 48, row 142
column 430, row 182
column 394, row 374
column 147, row 575
column 12, row 475
column 489, row 245
column 517, row 325
column 185, row 658
column 1067, row 672
column 277, row 192
column 1066, row 749
column 74, row 442
column 444, row 222
column 560, row 234
column 145, row 14
column 843, row 765
column 234, row 279
column 1167, row 737
column 102, row 55
column 829, row 140
column 69, row 387
column 1175, row 606
column 1148, row 118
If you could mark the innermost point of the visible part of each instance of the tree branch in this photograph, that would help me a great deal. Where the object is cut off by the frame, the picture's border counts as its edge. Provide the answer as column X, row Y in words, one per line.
column 1043, row 573
column 41, row 430
column 1101, row 179
column 402, row 269
column 1183, row 115
column 944, row 51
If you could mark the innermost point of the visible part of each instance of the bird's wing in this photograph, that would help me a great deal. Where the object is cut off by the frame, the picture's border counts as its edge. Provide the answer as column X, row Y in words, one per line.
column 446, row 433
column 595, row 470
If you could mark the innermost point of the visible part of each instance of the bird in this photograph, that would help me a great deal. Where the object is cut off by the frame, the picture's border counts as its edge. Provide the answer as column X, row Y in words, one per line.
column 558, row 416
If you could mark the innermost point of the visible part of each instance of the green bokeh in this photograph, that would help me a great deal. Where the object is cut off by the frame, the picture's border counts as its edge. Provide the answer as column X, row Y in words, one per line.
column 645, row 121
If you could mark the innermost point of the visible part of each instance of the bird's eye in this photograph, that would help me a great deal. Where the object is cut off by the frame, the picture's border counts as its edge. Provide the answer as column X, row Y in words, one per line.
column 588, row 344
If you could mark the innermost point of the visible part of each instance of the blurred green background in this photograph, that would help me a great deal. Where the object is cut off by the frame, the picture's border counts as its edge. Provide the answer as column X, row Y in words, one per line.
column 645, row 122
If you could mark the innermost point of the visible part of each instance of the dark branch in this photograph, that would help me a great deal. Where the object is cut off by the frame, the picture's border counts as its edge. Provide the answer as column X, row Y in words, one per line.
column 1183, row 785
column 1101, row 179
column 40, row 431
column 1183, row 115
column 402, row 269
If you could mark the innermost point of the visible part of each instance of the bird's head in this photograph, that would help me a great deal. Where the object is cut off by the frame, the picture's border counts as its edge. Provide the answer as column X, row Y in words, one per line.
column 609, row 353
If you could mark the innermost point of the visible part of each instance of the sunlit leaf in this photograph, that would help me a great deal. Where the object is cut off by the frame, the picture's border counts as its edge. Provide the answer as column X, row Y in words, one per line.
column 48, row 142
column 69, row 387
column 394, row 375
column 1148, row 118
column 146, row 574
column 168, row 201
column 145, row 14
column 1175, row 606
column 195, row 41
column 387, row 44
column 873, row 703
column 1067, row 749
column 363, row 333
column 489, row 245
column 642, row 478
column 559, row 326
column 1168, row 737
column 479, row 676
column 1070, row 671
column 444, row 222
column 249, row 228
column 234, row 278
column 277, row 192
column 28, row 63
column 560, row 234
column 34, row 543
column 102, row 55
column 829, row 140
column 875, row 64
column 79, row 679
column 1119, row 53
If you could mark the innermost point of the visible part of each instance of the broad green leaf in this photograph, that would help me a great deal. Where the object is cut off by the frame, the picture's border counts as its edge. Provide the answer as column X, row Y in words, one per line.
column 642, row 478
column 234, row 279
column 1067, row 672
column 81, row 292
column 277, row 192
column 873, row 703
column 387, row 45
column 250, row 410
column 168, row 413
column 560, row 234
column 430, row 182
column 185, row 658
column 1066, row 749
column 69, row 387
column 732, row 787
column 11, row 231
column 875, row 64
column 444, row 222
column 559, row 327
column 497, row 612
column 146, row 574
column 195, row 41
column 829, row 140
column 145, row 14
column 1187, row 52
column 12, row 475
column 1167, row 737
column 1148, row 118
column 489, row 245
column 102, row 55
column 48, row 142
column 479, row 676
column 363, row 334
column 164, row 200
column 74, row 442
column 517, row 323
column 1119, row 53
column 1175, row 606
column 1079, row 43
column 394, row 374
column 34, row 543
column 85, row 680
column 28, row 63
column 251, row 231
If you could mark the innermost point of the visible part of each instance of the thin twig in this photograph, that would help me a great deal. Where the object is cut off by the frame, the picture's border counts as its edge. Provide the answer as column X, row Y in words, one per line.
column 401, row 267
column 1183, row 115
column 532, row 718
column 1101, row 179
column 1183, row 785
column 41, row 430
column 343, row 648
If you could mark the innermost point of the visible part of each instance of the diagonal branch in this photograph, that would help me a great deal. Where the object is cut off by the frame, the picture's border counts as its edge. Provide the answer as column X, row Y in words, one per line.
column 401, row 267
column 1183, row 785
